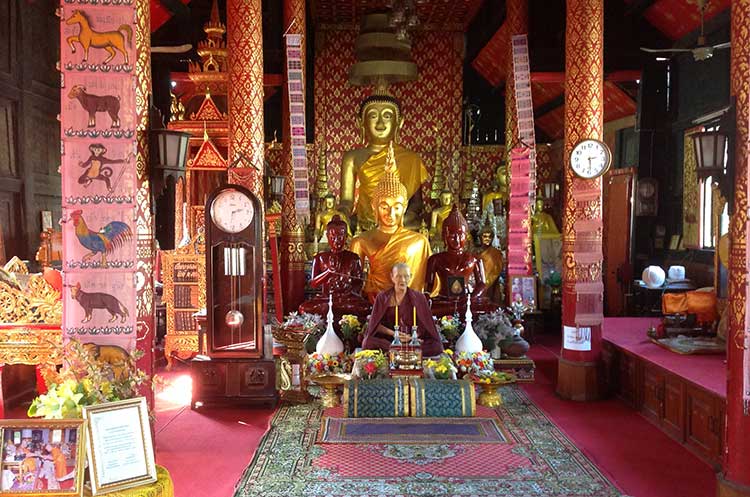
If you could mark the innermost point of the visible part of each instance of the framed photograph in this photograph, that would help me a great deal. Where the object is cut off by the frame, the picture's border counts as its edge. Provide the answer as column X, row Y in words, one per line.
column 120, row 452
column 42, row 457
column 525, row 286
column 47, row 220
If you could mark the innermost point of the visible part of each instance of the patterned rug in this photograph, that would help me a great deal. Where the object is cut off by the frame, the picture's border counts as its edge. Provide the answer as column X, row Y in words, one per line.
column 410, row 430
column 537, row 461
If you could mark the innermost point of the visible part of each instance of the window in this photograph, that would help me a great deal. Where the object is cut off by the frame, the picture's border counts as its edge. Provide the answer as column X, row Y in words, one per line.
column 707, row 220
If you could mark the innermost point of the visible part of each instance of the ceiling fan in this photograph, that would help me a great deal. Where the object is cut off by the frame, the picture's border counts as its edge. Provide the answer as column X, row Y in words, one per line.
column 701, row 51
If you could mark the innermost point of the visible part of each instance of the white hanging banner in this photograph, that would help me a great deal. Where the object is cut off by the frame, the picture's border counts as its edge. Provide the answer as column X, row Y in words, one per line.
column 296, row 92
column 524, row 104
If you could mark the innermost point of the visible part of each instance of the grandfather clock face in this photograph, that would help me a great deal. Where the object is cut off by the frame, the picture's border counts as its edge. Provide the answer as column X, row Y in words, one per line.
column 234, row 270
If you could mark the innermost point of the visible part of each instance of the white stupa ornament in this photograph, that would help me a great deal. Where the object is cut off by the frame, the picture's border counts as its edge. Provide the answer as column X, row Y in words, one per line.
column 329, row 343
column 468, row 341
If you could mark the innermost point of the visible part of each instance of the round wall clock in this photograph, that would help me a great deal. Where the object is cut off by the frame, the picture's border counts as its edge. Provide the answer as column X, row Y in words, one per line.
column 590, row 158
column 232, row 210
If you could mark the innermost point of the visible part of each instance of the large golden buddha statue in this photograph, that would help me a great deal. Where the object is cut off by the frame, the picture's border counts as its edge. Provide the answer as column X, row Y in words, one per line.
column 390, row 242
column 381, row 120
column 326, row 214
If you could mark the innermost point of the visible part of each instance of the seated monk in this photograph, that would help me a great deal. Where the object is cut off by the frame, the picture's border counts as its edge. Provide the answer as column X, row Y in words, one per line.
column 380, row 328
column 339, row 273
column 390, row 242
column 448, row 272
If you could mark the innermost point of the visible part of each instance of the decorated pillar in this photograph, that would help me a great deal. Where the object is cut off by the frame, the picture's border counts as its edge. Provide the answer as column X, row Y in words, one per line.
column 583, row 290
column 245, row 96
column 292, row 235
column 517, row 18
column 144, row 222
column 734, row 481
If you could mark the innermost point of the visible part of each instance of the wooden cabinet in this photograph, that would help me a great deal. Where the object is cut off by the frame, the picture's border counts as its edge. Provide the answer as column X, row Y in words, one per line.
column 704, row 423
column 233, row 381
column 684, row 411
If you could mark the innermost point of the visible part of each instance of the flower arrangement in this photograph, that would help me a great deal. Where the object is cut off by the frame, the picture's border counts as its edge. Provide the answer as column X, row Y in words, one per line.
column 369, row 363
column 350, row 326
column 305, row 321
column 441, row 368
column 85, row 381
column 473, row 363
column 492, row 328
column 328, row 363
column 449, row 326
column 490, row 377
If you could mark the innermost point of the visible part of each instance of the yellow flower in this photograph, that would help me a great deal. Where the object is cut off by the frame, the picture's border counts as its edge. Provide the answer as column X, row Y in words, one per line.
column 448, row 351
column 106, row 388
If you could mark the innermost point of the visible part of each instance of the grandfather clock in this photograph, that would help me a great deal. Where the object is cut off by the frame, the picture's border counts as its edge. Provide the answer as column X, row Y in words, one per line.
column 234, row 368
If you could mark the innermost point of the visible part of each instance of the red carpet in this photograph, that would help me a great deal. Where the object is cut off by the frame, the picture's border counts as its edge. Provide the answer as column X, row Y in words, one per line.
column 205, row 450
column 634, row 454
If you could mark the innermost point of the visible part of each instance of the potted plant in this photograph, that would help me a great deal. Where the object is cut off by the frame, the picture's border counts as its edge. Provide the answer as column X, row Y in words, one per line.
column 450, row 328
column 441, row 368
column 494, row 328
column 310, row 325
column 369, row 364
column 350, row 328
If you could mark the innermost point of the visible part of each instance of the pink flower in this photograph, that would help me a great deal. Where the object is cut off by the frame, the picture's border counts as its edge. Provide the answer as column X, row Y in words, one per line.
column 370, row 368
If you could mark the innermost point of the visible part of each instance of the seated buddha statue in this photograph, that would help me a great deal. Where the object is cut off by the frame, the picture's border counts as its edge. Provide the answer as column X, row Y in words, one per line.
column 448, row 272
column 389, row 242
column 440, row 213
column 337, row 272
column 381, row 119
column 326, row 213
column 496, row 193
column 492, row 260
column 541, row 222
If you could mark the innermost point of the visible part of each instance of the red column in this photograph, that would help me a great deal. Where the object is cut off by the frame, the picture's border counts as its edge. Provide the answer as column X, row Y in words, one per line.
column 292, row 234
column 146, row 250
column 735, row 479
column 245, row 95
column 577, row 373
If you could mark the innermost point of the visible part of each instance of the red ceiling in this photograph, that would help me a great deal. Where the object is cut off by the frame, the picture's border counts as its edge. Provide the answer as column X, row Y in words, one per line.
column 491, row 60
column 617, row 104
column 160, row 14
column 677, row 18
column 444, row 14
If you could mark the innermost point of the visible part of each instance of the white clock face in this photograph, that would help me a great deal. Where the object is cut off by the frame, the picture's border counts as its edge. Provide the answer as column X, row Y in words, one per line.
column 590, row 158
column 232, row 211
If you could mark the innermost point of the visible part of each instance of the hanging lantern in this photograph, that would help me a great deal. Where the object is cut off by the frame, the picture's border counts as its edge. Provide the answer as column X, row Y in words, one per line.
column 710, row 154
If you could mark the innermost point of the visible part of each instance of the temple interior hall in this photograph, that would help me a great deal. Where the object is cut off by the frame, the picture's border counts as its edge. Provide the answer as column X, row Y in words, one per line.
column 261, row 248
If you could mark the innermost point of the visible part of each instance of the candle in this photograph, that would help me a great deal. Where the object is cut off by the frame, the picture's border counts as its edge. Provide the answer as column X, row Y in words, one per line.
column 414, row 316
column 396, row 314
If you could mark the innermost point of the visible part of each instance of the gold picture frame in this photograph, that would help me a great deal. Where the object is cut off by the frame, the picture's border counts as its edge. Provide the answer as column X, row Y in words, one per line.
column 120, row 451
column 36, row 454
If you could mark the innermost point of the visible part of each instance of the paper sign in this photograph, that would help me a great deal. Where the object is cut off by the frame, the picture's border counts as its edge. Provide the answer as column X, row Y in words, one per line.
column 576, row 338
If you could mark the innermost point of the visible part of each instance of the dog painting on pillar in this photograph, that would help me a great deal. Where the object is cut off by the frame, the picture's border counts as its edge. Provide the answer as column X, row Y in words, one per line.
column 98, row 300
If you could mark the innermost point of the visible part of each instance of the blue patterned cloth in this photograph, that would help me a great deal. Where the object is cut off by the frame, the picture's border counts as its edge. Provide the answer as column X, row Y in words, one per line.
column 442, row 398
column 379, row 398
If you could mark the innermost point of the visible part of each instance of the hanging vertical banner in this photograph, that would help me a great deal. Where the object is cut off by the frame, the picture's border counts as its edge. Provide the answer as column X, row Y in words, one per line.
column 524, row 104
column 296, row 91
column 744, row 343
column 519, row 239
column 98, row 169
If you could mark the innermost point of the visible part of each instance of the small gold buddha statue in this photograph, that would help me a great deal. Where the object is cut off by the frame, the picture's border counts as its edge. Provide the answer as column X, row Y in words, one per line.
column 389, row 243
column 325, row 215
column 440, row 213
column 492, row 260
column 541, row 222
column 380, row 119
